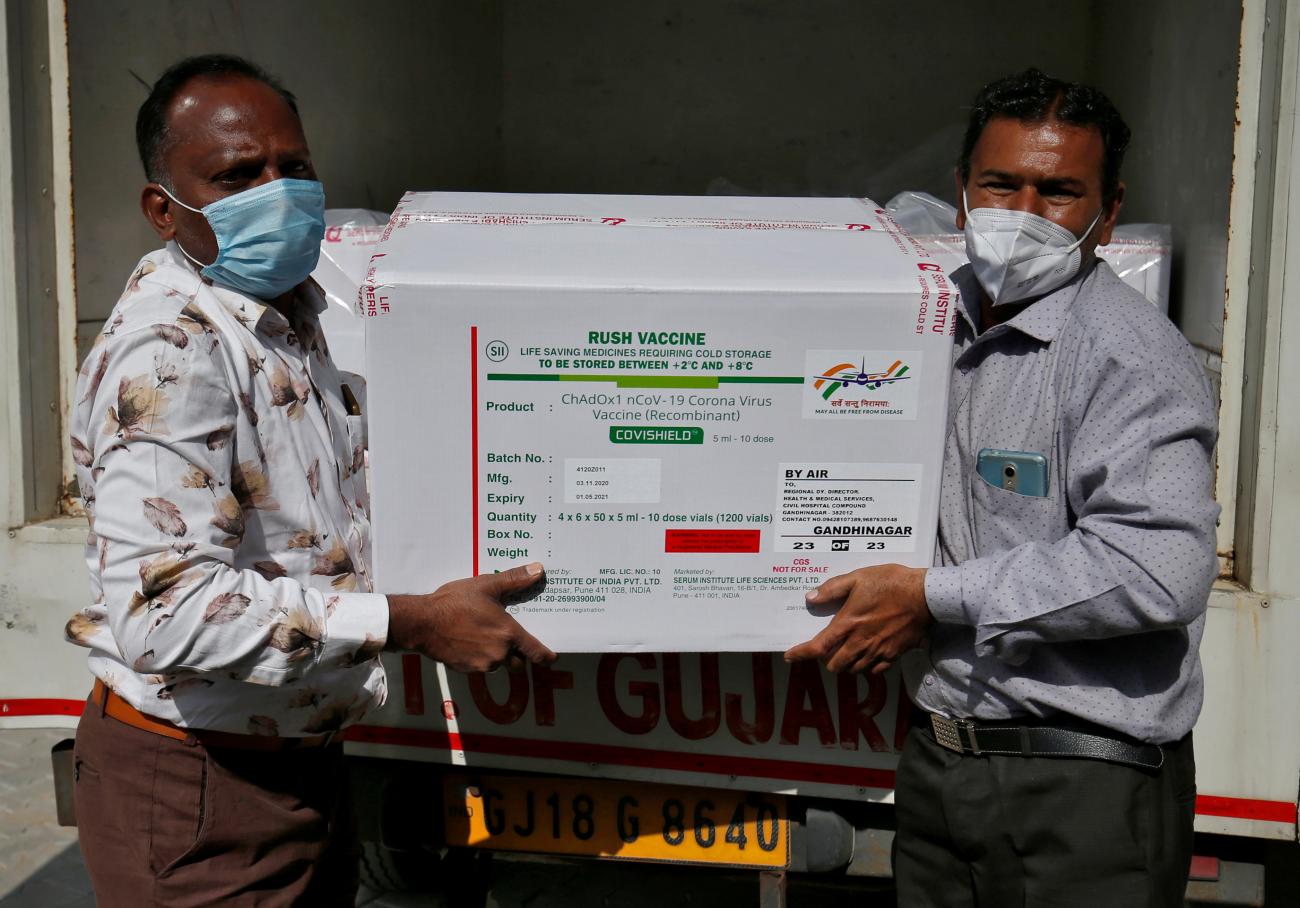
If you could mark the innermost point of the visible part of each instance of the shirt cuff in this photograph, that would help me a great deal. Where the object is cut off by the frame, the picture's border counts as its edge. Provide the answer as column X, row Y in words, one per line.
column 357, row 628
column 943, row 594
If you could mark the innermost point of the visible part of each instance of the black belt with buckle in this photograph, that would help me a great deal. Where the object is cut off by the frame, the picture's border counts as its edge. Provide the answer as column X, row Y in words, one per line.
column 966, row 737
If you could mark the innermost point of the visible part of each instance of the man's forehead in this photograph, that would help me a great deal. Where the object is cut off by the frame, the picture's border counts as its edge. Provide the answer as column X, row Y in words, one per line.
column 240, row 111
column 1048, row 146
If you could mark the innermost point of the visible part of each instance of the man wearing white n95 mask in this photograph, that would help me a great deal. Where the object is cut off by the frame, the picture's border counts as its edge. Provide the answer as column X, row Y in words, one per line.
column 1053, row 648
column 233, row 627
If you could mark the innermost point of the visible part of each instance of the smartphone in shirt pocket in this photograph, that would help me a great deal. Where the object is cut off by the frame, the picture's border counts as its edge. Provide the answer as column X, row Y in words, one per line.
column 1022, row 472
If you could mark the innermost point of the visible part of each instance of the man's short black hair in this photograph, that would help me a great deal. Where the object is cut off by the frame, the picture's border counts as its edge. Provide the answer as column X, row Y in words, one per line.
column 1033, row 97
column 151, row 122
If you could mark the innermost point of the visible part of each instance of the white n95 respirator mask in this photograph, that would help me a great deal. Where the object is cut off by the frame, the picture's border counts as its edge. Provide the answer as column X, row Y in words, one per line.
column 1017, row 255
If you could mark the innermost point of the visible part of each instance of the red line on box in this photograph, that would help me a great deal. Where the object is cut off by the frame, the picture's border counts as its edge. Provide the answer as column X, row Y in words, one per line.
column 473, row 435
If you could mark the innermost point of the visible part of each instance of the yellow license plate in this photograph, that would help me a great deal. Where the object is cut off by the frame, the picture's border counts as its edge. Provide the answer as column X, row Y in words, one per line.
column 611, row 819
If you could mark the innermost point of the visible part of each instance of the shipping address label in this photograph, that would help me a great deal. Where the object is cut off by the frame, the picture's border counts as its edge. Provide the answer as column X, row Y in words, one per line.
column 847, row 507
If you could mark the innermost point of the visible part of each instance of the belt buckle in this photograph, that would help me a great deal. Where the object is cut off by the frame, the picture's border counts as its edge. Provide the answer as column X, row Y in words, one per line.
column 947, row 733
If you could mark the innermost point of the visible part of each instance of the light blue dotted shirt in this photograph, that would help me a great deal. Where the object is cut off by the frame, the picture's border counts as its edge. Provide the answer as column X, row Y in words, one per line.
column 1090, row 601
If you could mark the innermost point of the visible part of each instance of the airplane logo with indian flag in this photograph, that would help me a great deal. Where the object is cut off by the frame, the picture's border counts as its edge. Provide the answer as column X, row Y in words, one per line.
column 847, row 374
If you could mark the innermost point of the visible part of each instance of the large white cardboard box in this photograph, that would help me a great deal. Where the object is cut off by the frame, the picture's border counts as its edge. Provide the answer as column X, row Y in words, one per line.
column 692, row 410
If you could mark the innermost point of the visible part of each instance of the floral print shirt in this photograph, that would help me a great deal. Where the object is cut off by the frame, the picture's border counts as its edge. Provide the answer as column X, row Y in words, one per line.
column 225, row 487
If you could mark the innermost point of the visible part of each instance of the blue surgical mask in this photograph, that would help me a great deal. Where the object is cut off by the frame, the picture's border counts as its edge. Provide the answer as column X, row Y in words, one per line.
column 268, row 237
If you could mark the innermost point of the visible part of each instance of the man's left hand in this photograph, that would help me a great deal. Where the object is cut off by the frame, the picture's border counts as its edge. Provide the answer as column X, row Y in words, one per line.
column 882, row 614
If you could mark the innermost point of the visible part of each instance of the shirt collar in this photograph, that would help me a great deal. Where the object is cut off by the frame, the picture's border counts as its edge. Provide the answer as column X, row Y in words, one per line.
column 251, row 312
column 248, row 309
column 1042, row 319
column 311, row 297
column 970, row 290
column 309, row 302
column 182, row 276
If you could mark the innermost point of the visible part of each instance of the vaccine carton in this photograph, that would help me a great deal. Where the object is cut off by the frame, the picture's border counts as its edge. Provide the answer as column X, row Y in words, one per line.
column 691, row 410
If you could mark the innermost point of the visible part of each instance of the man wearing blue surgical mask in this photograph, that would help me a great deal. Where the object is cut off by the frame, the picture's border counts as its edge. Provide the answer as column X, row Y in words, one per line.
column 253, row 180
column 233, row 627
column 1052, row 650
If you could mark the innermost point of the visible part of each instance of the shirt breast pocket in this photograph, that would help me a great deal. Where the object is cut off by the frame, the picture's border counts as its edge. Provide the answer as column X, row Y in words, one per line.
column 357, row 433
column 1004, row 519
column 358, row 445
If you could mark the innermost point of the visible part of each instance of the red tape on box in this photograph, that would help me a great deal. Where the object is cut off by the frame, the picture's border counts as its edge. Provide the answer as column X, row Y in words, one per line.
column 712, row 541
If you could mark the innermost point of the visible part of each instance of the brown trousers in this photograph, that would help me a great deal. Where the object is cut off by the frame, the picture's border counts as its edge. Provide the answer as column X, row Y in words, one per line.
column 177, row 825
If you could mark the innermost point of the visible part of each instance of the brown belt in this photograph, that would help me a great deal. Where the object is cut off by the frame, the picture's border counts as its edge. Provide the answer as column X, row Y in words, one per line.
column 115, row 707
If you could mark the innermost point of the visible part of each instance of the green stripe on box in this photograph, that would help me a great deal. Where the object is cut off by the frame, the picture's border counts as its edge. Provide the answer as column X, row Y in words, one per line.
column 656, row 435
column 653, row 381
column 761, row 379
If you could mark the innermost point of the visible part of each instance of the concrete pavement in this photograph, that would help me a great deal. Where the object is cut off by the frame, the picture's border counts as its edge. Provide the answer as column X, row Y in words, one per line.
column 40, row 865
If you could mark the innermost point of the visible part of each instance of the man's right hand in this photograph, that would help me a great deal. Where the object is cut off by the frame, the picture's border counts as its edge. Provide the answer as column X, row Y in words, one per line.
column 464, row 623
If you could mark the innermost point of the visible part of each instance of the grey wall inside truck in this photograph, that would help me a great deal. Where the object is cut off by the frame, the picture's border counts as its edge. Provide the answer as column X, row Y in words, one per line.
column 827, row 97
column 393, row 95
column 858, row 98
column 1171, row 68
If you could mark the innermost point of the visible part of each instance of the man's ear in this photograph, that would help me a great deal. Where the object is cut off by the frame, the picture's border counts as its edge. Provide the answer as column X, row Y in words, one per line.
column 157, row 211
column 1111, row 216
column 961, row 206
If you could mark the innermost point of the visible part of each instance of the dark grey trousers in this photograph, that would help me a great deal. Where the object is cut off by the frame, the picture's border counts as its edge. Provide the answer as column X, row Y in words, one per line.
column 1017, row 832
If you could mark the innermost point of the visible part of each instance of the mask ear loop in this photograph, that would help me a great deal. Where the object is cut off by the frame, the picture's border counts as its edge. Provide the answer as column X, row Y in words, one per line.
column 1079, row 242
column 197, row 263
